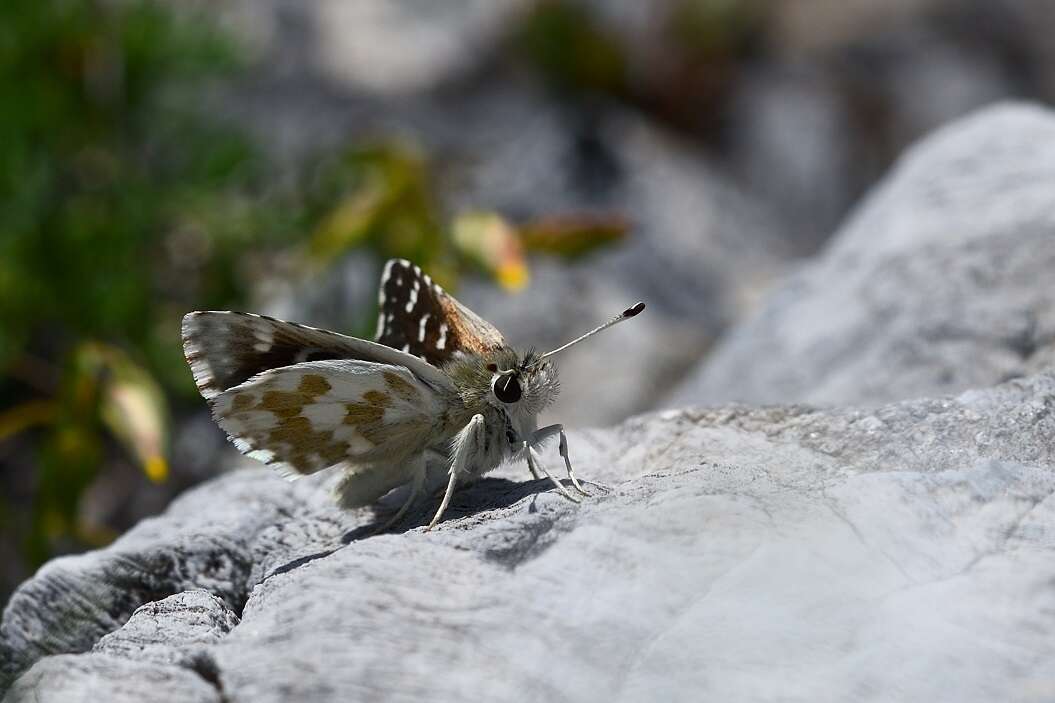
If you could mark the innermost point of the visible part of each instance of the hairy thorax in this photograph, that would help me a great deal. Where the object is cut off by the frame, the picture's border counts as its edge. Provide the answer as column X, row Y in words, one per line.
column 506, row 425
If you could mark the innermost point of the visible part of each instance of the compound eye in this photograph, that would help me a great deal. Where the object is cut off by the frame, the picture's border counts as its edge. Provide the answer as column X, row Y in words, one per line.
column 506, row 388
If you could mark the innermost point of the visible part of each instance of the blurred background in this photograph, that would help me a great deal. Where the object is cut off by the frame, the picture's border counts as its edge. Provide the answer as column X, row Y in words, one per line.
column 548, row 161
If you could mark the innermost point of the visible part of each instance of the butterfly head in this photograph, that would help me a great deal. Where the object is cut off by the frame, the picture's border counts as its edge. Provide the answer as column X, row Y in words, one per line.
column 514, row 382
column 518, row 383
column 523, row 381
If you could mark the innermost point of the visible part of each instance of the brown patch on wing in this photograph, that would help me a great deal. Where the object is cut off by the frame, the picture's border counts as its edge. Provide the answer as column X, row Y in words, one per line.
column 377, row 398
column 314, row 385
column 287, row 404
column 306, row 446
column 242, row 401
column 359, row 414
column 368, row 417
column 401, row 387
column 463, row 334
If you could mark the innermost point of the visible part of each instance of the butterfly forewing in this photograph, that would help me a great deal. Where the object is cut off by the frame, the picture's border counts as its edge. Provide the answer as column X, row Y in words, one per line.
column 310, row 416
column 417, row 316
column 225, row 349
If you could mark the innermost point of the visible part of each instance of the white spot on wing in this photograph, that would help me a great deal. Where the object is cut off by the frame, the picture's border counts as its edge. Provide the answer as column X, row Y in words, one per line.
column 413, row 298
column 387, row 273
column 441, row 343
column 264, row 455
column 421, row 326
column 406, row 347
column 264, row 335
column 324, row 416
column 303, row 354
column 289, row 381
column 262, row 347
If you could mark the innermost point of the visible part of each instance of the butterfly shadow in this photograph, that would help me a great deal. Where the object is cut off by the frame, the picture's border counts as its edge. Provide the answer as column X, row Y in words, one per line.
column 483, row 495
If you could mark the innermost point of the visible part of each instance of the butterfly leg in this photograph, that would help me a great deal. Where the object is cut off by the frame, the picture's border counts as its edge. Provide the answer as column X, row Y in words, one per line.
column 563, row 448
column 545, row 433
column 535, row 462
column 534, row 472
column 468, row 443
column 445, row 502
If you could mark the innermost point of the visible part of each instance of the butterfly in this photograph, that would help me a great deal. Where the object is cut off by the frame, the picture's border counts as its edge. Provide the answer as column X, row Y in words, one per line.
column 438, row 394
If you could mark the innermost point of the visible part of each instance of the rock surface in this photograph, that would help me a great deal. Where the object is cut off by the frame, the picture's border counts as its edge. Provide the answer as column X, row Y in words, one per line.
column 935, row 285
column 733, row 553
column 900, row 550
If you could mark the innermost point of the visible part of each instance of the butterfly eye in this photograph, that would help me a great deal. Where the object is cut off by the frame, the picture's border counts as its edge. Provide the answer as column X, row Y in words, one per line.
column 506, row 388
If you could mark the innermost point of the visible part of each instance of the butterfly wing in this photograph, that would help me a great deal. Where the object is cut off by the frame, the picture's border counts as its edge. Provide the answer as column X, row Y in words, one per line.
column 225, row 349
column 367, row 417
column 420, row 318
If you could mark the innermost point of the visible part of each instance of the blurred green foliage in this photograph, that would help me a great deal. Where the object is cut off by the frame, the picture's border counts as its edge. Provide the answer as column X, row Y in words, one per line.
column 120, row 206
column 716, row 29
column 377, row 195
column 571, row 50
column 125, row 204
column 681, row 71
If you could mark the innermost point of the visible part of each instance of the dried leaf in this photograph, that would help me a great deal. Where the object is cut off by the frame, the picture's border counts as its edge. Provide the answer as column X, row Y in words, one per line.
column 132, row 407
column 572, row 236
column 492, row 243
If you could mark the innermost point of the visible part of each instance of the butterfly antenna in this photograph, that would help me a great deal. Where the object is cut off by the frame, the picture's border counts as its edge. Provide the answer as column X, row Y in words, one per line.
column 625, row 315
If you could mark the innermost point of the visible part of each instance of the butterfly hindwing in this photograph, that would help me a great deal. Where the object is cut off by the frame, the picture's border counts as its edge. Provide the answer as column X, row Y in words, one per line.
column 226, row 348
column 418, row 317
column 307, row 417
